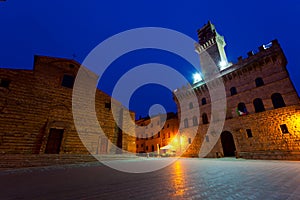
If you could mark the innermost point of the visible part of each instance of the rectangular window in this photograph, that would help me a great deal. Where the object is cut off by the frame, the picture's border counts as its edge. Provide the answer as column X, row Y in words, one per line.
column 190, row 140
column 284, row 128
column 158, row 134
column 169, row 135
column 4, row 83
column 249, row 133
column 108, row 106
column 137, row 146
column 207, row 138
column 68, row 81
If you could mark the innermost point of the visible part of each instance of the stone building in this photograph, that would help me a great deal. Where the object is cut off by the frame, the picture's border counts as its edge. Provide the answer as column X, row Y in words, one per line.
column 36, row 112
column 153, row 134
column 263, row 108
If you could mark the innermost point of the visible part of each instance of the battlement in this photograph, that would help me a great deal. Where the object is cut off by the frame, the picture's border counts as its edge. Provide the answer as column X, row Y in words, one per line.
column 261, row 49
column 266, row 53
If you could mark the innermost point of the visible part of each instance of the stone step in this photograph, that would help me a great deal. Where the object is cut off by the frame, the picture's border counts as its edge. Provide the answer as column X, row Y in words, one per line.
column 20, row 161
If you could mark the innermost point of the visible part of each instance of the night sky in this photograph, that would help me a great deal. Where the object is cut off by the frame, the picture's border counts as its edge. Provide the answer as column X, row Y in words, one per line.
column 71, row 29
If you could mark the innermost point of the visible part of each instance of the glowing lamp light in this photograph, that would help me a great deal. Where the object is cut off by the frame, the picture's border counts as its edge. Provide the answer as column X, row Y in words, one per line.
column 196, row 77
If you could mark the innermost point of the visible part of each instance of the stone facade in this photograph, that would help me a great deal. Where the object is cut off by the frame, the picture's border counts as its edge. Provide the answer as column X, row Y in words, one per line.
column 154, row 134
column 262, row 109
column 36, row 112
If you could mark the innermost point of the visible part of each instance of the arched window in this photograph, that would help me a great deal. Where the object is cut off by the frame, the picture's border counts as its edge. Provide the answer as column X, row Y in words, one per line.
column 191, row 105
column 277, row 100
column 204, row 118
column 258, row 105
column 259, row 82
column 241, row 109
column 195, row 121
column 233, row 91
column 203, row 101
column 186, row 123
column 152, row 148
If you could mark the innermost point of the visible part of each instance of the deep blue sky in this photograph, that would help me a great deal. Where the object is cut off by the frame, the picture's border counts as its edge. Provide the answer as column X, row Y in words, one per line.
column 62, row 28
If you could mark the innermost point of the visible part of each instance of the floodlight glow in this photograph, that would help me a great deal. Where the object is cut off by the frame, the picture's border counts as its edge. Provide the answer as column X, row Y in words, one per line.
column 197, row 77
column 223, row 64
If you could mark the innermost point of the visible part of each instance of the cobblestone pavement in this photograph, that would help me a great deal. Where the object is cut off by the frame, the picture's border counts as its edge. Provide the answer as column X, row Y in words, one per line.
column 185, row 179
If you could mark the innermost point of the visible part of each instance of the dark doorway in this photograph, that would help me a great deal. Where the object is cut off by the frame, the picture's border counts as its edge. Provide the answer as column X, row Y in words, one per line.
column 228, row 144
column 54, row 141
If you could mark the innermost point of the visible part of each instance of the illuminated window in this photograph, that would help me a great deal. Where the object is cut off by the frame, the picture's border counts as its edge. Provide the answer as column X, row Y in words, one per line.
column 249, row 133
column 284, row 128
column 68, row 81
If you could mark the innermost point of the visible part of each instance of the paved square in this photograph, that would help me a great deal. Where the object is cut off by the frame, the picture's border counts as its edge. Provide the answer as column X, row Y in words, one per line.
column 226, row 178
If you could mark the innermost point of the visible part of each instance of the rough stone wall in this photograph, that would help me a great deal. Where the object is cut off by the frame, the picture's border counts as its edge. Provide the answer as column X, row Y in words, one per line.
column 267, row 141
column 270, row 65
column 35, row 102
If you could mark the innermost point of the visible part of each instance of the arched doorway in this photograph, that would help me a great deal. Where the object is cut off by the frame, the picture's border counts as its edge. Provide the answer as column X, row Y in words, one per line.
column 228, row 144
